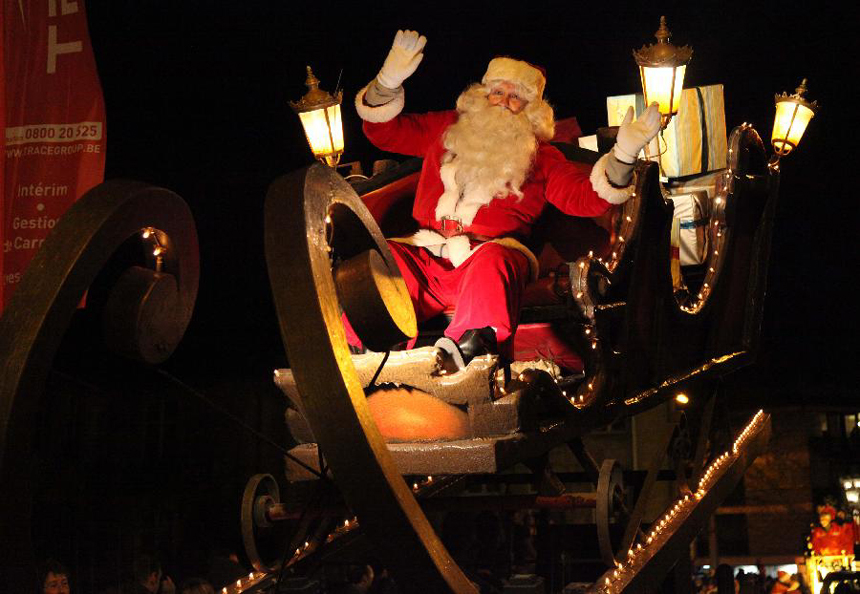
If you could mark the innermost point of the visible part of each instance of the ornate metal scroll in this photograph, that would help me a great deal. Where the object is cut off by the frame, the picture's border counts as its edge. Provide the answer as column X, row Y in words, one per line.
column 42, row 307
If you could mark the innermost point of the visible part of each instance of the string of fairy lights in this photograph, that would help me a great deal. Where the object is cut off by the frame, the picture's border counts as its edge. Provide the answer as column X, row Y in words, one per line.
column 725, row 189
column 256, row 579
column 636, row 556
column 665, row 526
column 158, row 248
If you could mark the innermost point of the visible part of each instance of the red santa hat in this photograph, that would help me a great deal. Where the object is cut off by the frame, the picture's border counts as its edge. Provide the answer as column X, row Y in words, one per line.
column 529, row 78
column 827, row 509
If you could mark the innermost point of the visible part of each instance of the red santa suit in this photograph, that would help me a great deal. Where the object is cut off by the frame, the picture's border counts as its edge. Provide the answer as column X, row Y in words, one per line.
column 836, row 540
column 486, row 267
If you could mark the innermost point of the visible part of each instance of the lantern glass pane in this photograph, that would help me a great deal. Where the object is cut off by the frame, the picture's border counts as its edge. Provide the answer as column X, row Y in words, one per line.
column 336, row 126
column 658, row 87
column 317, row 131
column 787, row 129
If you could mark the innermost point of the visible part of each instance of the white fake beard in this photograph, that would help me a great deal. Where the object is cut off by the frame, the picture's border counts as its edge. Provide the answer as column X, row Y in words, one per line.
column 492, row 147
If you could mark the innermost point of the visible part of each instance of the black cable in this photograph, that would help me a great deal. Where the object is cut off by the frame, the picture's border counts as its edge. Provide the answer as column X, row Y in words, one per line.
column 289, row 551
column 238, row 421
column 378, row 370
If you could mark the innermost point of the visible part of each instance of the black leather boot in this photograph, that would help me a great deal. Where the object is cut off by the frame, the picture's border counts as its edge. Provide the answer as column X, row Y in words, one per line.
column 473, row 343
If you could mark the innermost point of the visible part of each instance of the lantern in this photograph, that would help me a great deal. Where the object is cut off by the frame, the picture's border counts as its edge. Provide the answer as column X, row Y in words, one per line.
column 661, row 70
column 793, row 113
column 319, row 113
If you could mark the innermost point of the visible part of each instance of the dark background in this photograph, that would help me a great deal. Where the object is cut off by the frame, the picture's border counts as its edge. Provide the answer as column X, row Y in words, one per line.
column 196, row 97
column 197, row 101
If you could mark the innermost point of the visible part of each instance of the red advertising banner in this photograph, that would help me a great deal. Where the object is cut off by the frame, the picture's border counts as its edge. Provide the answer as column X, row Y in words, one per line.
column 54, row 142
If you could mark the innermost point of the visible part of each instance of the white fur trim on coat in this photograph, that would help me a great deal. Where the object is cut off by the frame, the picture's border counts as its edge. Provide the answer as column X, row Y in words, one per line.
column 463, row 203
column 604, row 189
column 380, row 113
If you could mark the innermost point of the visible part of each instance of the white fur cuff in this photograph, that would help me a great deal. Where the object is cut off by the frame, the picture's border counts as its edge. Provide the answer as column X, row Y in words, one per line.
column 604, row 189
column 380, row 113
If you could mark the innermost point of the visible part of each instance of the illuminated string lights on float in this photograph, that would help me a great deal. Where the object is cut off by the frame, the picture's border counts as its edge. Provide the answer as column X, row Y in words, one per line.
column 417, row 486
column 254, row 578
column 319, row 112
column 158, row 248
column 793, row 114
column 717, row 228
column 664, row 526
column 661, row 70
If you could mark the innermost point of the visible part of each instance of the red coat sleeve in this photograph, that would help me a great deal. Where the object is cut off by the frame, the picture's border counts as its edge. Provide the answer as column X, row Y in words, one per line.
column 409, row 133
column 568, row 184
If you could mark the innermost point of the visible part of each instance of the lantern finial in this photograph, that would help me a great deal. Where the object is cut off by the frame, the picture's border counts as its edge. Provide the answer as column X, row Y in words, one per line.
column 663, row 34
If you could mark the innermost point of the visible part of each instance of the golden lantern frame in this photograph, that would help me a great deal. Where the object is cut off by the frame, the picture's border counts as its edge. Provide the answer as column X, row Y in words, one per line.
column 780, row 143
column 317, row 99
column 663, row 55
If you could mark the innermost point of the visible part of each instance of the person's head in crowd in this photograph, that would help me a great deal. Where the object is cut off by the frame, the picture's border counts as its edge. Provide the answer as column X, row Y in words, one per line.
column 724, row 580
column 196, row 586
column 146, row 572
column 826, row 515
column 224, row 567
column 53, row 578
column 360, row 576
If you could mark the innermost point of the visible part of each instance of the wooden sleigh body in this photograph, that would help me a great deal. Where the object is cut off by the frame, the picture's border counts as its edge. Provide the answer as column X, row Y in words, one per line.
column 643, row 339
column 628, row 336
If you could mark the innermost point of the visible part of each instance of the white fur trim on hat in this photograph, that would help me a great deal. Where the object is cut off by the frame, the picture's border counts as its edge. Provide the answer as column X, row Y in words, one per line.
column 528, row 77
column 604, row 189
column 380, row 113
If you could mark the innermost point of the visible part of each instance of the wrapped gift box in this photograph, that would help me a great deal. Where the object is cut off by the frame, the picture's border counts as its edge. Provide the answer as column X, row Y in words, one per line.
column 707, row 182
column 695, row 139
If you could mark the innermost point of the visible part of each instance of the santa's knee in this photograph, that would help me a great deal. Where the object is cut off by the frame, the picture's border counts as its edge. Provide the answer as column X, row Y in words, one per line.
column 493, row 259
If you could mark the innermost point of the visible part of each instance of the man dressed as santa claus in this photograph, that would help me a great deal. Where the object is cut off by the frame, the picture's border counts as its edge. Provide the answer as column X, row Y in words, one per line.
column 487, row 175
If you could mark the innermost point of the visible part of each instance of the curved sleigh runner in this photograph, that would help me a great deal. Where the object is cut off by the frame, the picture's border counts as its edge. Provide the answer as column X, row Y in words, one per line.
column 644, row 338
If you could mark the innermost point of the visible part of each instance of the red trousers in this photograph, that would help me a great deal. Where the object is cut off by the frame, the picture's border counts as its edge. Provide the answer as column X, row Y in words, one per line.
column 485, row 290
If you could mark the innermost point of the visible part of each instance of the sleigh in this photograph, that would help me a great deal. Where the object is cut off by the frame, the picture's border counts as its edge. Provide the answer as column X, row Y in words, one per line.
column 616, row 335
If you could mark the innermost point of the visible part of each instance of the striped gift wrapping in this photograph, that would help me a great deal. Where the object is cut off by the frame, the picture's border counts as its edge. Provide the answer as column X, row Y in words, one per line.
column 694, row 142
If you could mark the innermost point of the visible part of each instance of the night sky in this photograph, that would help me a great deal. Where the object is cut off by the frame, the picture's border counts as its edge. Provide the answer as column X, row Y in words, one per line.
column 197, row 95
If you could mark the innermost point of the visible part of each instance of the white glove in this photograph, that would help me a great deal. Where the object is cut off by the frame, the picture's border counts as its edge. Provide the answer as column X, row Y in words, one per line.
column 402, row 60
column 633, row 136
